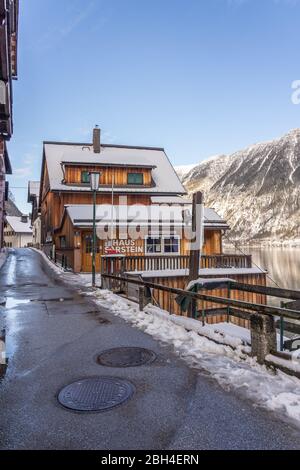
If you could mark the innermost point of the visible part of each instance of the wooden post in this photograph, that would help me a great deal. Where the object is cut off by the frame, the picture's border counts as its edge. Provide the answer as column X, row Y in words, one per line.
column 195, row 253
column 263, row 336
column 144, row 297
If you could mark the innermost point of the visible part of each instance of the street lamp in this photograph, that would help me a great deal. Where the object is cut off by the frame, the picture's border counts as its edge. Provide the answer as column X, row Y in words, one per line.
column 94, row 182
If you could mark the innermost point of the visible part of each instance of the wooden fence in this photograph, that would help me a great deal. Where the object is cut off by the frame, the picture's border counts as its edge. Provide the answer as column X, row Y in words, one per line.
column 261, row 317
column 171, row 262
column 118, row 282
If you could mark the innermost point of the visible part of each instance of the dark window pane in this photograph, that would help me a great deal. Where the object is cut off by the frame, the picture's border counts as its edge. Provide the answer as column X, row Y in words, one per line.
column 63, row 242
column 153, row 245
column 171, row 245
column 135, row 178
column 89, row 245
column 85, row 177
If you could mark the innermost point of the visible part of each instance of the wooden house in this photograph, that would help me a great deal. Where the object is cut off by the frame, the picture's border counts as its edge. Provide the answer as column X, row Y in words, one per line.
column 33, row 199
column 143, row 219
column 9, row 10
column 17, row 232
column 132, row 179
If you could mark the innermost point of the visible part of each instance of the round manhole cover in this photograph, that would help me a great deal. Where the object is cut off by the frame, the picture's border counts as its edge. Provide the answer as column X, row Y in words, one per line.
column 126, row 357
column 96, row 394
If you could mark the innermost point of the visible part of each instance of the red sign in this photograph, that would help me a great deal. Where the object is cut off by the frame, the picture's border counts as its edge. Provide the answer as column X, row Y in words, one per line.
column 110, row 251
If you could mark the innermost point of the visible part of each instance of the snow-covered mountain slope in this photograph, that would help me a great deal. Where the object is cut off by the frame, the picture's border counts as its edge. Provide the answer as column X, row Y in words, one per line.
column 257, row 189
column 183, row 170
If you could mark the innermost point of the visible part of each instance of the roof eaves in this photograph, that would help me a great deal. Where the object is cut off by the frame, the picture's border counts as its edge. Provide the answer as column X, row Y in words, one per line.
column 119, row 190
column 8, row 168
column 118, row 165
column 84, row 144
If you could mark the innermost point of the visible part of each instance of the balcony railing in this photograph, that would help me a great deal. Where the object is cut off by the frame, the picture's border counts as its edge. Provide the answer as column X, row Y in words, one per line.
column 172, row 262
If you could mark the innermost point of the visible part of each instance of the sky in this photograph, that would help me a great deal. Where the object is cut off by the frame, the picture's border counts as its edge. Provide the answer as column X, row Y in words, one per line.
column 197, row 77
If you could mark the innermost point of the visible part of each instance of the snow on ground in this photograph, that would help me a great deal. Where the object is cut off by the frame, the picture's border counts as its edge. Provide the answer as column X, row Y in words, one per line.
column 84, row 279
column 232, row 368
column 235, row 331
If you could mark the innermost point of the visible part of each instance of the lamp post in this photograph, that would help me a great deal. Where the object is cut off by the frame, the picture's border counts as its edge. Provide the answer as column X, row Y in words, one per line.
column 94, row 182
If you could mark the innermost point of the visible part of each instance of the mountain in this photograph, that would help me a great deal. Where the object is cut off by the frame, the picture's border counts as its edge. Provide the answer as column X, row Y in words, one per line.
column 183, row 170
column 256, row 189
column 11, row 208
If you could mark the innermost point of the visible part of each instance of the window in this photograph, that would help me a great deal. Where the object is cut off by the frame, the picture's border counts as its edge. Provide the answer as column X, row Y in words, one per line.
column 63, row 242
column 85, row 177
column 167, row 245
column 171, row 245
column 153, row 245
column 135, row 178
column 89, row 244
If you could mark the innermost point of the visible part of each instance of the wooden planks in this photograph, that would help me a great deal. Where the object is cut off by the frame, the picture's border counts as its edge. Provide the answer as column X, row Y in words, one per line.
column 163, row 262
column 163, row 298
column 109, row 175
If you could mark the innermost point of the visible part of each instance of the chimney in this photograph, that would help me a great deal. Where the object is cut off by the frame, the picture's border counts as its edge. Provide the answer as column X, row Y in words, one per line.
column 24, row 219
column 96, row 139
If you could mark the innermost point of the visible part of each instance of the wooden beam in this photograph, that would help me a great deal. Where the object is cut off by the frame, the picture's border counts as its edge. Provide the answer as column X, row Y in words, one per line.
column 262, row 309
column 271, row 291
column 194, row 262
column 195, row 253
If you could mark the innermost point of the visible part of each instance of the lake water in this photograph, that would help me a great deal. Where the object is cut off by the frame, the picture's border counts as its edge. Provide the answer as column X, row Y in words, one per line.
column 282, row 264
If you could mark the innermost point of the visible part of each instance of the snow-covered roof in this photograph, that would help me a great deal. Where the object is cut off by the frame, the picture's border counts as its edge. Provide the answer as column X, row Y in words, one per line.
column 212, row 216
column 164, row 176
column 82, row 215
column 18, row 226
column 202, row 272
column 210, row 284
column 170, row 200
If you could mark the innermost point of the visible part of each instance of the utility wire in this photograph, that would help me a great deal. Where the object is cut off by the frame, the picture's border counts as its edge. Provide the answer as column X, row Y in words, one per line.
column 259, row 267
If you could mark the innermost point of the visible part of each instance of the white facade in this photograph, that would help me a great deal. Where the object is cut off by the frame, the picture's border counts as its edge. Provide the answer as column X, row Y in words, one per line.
column 37, row 232
column 18, row 232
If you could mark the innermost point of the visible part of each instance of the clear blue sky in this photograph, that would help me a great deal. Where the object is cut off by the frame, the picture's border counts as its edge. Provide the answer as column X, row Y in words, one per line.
column 198, row 77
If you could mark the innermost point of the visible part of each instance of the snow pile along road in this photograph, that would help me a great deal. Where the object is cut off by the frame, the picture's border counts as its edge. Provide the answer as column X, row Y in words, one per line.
column 233, row 369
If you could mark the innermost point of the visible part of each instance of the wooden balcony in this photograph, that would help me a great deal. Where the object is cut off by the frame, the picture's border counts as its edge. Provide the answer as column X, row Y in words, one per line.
column 172, row 262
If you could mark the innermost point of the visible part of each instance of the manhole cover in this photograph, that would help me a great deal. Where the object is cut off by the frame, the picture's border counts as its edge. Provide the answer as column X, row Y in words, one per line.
column 96, row 394
column 126, row 357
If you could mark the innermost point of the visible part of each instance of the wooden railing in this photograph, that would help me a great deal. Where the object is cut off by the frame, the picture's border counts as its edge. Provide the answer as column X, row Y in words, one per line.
column 234, row 286
column 63, row 258
column 262, row 317
column 172, row 262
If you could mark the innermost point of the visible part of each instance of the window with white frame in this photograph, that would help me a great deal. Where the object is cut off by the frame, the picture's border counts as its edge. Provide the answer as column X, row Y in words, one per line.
column 171, row 245
column 153, row 245
column 165, row 245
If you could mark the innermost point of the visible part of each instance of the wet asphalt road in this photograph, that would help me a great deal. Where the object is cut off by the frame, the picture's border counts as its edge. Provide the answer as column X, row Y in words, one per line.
column 52, row 343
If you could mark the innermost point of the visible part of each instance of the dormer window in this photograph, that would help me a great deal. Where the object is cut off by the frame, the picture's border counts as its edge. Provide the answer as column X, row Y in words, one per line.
column 135, row 178
column 85, row 177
